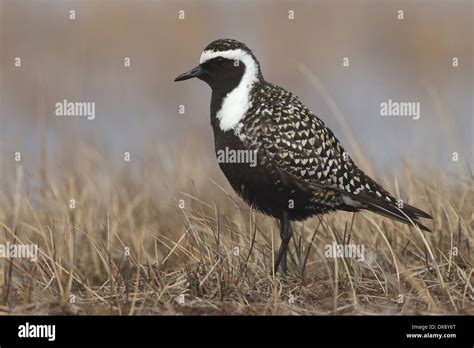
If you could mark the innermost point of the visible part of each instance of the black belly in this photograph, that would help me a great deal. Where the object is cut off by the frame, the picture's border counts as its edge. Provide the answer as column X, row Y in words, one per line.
column 263, row 185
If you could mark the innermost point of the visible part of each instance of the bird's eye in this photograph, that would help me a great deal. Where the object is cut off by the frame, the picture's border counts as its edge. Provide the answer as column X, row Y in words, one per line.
column 220, row 60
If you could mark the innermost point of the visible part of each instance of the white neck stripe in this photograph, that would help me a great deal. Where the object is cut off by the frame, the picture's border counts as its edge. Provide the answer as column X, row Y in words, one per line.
column 236, row 102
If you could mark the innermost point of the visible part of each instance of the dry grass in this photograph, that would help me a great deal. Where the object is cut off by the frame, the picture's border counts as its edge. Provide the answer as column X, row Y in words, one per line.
column 195, row 248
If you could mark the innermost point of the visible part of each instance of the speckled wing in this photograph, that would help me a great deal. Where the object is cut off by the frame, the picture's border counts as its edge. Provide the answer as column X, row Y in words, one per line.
column 285, row 132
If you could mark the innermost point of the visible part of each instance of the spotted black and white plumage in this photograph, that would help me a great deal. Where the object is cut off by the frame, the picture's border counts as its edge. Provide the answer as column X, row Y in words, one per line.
column 302, row 168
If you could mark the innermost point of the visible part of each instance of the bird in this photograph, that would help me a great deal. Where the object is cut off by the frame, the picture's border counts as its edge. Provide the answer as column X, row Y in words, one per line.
column 301, row 170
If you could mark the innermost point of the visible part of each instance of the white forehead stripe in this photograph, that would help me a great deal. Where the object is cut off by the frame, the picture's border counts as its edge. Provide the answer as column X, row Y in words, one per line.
column 237, row 102
column 230, row 54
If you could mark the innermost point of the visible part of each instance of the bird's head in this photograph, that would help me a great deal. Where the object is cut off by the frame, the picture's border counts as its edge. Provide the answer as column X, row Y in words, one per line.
column 224, row 64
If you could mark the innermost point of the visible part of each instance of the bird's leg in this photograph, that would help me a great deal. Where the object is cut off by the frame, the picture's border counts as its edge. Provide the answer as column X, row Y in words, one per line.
column 285, row 234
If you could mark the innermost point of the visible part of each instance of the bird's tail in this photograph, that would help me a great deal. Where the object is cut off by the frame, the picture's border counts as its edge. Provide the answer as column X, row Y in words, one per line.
column 403, row 213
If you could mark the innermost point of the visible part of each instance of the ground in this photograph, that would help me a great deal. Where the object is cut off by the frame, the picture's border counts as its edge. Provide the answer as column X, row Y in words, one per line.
column 122, row 249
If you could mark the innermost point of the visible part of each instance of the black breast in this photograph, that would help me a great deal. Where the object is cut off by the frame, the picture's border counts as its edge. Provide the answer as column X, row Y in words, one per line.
column 261, row 184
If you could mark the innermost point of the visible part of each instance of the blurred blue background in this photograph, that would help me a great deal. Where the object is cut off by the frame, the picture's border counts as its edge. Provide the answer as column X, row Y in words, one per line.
column 137, row 106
